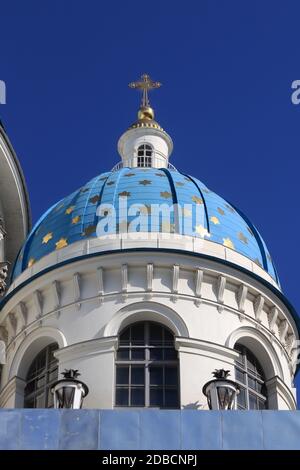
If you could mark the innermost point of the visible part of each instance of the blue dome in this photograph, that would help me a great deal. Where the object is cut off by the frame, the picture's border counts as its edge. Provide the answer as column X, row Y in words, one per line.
column 75, row 218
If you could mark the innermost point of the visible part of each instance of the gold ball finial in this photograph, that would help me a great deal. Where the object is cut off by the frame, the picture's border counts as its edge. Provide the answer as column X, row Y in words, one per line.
column 145, row 112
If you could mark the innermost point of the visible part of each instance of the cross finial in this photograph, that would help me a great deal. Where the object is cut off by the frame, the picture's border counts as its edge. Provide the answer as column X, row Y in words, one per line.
column 145, row 85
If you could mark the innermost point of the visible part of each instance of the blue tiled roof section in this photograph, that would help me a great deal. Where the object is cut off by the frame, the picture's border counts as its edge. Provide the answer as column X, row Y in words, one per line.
column 205, row 215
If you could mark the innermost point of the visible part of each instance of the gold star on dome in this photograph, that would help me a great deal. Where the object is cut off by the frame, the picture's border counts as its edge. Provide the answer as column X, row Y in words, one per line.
column 129, row 174
column 31, row 262
column 243, row 238
column 166, row 194
column 76, row 219
column 197, row 200
column 110, row 183
column 69, row 210
column 94, row 199
column 47, row 237
column 220, row 211
column 179, row 183
column 145, row 182
column 214, row 220
column 202, row 231
column 162, row 175
column 89, row 230
column 228, row 243
column 62, row 243
column 124, row 194
column 205, row 190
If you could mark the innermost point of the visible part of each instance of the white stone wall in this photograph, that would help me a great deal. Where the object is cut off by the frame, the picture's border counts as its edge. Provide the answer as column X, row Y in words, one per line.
column 209, row 306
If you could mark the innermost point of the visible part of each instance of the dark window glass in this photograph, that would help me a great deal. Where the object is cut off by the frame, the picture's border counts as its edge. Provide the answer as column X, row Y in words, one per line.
column 171, row 398
column 137, row 375
column 137, row 397
column 241, row 399
column 156, row 376
column 122, row 375
column 122, row 395
column 170, row 376
column 137, row 354
column 41, row 375
column 147, row 367
column 123, row 354
column 156, row 354
column 156, row 397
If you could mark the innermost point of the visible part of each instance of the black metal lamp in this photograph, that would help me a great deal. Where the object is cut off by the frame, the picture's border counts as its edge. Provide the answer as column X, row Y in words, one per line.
column 221, row 392
column 69, row 392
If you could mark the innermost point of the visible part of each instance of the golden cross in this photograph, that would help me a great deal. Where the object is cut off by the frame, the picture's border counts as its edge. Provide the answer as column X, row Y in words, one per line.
column 145, row 85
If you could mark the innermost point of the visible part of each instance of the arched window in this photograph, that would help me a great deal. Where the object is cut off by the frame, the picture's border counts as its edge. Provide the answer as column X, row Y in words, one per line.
column 42, row 373
column 147, row 367
column 144, row 158
column 251, row 379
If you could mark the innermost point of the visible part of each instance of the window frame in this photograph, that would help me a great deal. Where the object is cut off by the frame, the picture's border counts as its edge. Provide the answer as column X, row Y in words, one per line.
column 147, row 364
column 51, row 365
column 256, row 374
column 144, row 156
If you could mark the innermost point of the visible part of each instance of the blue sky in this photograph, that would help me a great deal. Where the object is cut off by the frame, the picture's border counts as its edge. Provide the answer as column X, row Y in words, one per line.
column 226, row 69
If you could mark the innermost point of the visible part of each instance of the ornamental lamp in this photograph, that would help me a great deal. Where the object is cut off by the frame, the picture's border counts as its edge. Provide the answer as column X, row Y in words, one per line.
column 221, row 392
column 69, row 392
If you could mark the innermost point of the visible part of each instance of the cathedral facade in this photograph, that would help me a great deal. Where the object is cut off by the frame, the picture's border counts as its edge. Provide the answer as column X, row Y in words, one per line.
column 145, row 281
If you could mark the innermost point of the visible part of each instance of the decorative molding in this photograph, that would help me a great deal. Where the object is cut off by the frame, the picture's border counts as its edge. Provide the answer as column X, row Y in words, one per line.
column 12, row 324
column 283, row 329
column 14, row 386
column 205, row 348
column 290, row 342
column 56, row 294
column 198, row 282
column 273, row 315
column 221, row 284
column 149, row 277
column 100, row 280
column 92, row 347
column 258, row 307
column 175, row 278
column 278, row 388
column 3, row 275
column 124, row 277
column 241, row 297
column 76, row 289
column 3, row 333
column 22, row 314
column 38, row 303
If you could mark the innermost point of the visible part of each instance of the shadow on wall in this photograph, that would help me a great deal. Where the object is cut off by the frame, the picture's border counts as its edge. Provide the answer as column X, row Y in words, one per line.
column 194, row 406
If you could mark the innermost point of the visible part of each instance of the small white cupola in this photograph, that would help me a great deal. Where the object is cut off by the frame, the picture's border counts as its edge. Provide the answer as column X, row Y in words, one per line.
column 145, row 143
